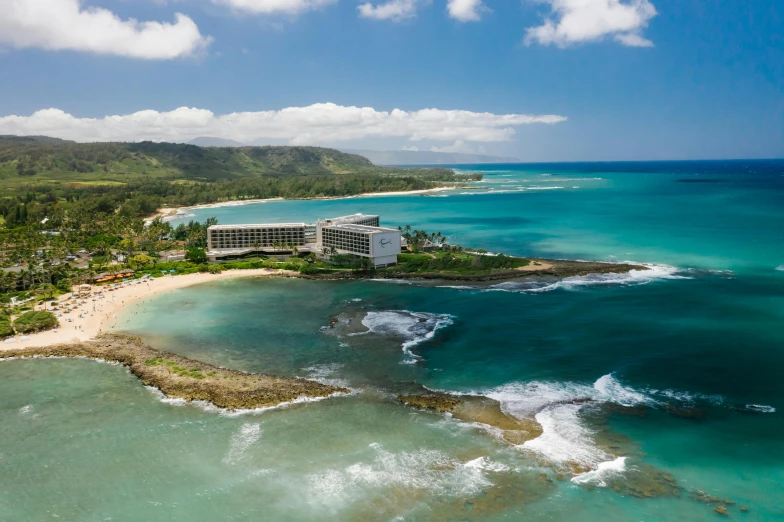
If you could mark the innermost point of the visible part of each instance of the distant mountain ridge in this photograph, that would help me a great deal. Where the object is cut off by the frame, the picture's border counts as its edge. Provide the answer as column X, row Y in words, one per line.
column 28, row 159
column 385, row 157
column 425, row 157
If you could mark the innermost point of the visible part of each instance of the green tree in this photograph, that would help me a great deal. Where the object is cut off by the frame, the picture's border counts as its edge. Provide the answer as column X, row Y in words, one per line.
column 196, row 255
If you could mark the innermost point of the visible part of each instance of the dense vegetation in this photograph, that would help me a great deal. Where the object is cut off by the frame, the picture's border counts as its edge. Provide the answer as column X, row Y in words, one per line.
column 454, row 261
column 34, row 159
column 35, row 321
column 61, row 200
column 43, row 178
column 6, row 330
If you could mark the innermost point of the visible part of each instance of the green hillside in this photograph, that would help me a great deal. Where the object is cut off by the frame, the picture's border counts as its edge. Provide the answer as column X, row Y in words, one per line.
column 33, row 160
column 44, row 179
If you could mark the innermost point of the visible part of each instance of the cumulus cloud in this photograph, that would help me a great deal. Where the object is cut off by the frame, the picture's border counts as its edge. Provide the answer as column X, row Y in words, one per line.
column 316, row 124
column 290, row 7
column 581, row 21
column 466, row 10
column 395, row 10
column 67, row 25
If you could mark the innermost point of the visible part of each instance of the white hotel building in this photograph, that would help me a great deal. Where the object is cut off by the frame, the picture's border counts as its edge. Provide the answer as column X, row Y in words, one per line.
column 359, row 234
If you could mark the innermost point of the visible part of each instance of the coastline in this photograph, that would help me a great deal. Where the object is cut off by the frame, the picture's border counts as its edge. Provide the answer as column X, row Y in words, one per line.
column 101, row 312
column 166, row 213
column 179, row 377
column 96, row 315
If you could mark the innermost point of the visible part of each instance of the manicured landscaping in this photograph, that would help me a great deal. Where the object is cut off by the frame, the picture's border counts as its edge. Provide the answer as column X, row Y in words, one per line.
column 6, row 330
column 38, row 321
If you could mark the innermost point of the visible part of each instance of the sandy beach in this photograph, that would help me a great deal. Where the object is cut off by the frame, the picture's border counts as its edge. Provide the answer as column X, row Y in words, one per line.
column 95, row 315
column 171, row 212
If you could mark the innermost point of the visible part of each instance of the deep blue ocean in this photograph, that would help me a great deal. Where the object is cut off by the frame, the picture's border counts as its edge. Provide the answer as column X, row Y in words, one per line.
column 683, row 365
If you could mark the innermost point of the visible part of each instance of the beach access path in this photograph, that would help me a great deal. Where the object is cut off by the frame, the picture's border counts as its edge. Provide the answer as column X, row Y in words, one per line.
column 94, row 314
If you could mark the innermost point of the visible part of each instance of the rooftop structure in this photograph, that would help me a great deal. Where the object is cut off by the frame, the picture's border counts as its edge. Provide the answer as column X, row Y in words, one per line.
column 381, row 245
column 353, row 219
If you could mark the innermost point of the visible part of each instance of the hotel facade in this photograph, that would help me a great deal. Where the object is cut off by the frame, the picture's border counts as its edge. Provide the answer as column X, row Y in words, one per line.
column 231, row 241
column 359, row 234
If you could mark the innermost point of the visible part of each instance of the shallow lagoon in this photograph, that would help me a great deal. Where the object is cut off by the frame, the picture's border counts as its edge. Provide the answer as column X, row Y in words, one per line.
column 673, row 364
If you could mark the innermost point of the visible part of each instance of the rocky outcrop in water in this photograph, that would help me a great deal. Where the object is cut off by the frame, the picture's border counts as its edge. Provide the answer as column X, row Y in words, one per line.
column 475, row 408
column 183, row 378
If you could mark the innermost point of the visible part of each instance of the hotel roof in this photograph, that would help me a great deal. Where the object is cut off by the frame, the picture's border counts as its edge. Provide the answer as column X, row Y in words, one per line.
column 262, row 225
column 352, row 217
column 362, row 228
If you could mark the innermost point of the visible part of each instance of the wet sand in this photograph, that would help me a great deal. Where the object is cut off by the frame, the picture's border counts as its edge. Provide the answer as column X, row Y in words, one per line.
column 94, row 314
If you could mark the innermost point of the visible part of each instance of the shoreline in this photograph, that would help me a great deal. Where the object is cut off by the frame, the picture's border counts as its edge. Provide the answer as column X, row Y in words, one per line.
column 167, row 213
column 101, row 312
column 95, row 315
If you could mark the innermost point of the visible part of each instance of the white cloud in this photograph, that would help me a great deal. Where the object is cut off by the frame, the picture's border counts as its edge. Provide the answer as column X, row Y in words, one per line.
column 466, row 10
column 459, row 146
column 411, row 148
column 290, row 7
column 580, row 21
column 317, row 124
column 67, row 25
column 395, row 10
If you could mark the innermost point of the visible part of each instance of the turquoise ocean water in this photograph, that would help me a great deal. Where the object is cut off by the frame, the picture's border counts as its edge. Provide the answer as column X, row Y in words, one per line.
column 683, row 364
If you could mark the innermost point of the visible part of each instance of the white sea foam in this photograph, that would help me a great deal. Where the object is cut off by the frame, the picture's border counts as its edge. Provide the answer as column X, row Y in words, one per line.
column 602, row 472
column 241, row 441
column 544, row 188
column 780, row 268
column 686, row 397
column 483, row 463
column 211, row 408
column 557, row 406
column 324, row 373
column 611, row 390
column 26, row 409
column 761, row 408
column 428, row 470
column 655, row 272
column 390, row 280
column 412, row 328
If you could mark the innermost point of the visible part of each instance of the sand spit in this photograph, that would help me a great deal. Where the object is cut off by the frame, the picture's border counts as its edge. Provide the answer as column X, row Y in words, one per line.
column 182, row 378
column 475, row 408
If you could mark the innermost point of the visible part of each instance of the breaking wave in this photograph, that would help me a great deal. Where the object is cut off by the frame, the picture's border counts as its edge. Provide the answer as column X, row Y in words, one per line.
column 631, row 278
column 602, row 472
column 241, row 441
column 429, row 470
column 411, row 328
column 760, row 408
column 324, row 373
column 556, row 406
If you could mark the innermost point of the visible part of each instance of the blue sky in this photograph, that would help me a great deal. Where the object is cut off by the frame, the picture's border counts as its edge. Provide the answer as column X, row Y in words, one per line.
column 699, row 80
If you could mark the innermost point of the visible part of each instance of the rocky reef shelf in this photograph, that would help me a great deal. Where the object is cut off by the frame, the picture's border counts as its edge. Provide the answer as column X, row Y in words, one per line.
column 182, row 378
